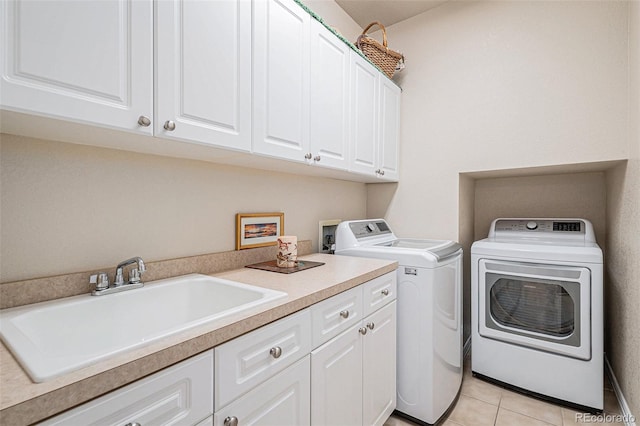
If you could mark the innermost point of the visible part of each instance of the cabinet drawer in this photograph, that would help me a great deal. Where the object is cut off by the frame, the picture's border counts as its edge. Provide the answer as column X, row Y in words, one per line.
column 334, row 315
column 282, row 400
column 245, row 362
column 379, row 291
column 178, row 395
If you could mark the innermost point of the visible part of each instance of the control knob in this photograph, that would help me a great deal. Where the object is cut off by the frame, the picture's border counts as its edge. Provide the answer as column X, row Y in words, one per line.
column 371, row 227
column 531, row 225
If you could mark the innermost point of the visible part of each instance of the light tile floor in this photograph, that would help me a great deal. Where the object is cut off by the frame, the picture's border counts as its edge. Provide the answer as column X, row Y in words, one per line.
column 484, row 404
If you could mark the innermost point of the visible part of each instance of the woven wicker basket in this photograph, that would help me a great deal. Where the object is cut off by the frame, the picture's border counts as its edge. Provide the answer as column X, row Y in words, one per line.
column 383, row 57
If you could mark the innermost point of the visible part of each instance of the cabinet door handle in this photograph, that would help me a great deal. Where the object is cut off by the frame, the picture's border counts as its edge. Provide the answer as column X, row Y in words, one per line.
column 385, row 292
column 170, row 125
column 308, row 156
column 276, row 351
column 344, row 314
column 231, row 421
column 363, row 330
column 144, row 121
column 371, row 325
column 316, row 158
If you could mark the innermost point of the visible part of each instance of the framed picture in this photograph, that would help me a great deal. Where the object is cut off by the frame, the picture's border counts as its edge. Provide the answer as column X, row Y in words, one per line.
column 258, row 229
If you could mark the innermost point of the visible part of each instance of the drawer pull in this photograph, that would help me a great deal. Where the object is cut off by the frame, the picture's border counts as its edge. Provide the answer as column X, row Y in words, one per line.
column 363, row 330
column 275, row 352
column 371, row 325
column 385, row 292
column 344, row 314
column 231, row 421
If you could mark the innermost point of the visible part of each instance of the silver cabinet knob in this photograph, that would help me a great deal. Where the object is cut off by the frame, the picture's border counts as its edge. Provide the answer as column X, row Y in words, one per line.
column 231, row 421
column 381, row 172
column 371, row 325
column 276, row 351
column 377, row 171
column 344, row 314
column 308, row 156
column 363, row 330
column 144, row 121
column 170, row 125
column 316, row 158
column 385, row 292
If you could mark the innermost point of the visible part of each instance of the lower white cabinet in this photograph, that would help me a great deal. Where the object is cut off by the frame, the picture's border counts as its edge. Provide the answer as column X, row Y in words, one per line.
column 179, row 395
column 283, row 400
column 336, row 387
column 206, row 422
column 333, row 363
column 353, row 376
column 245, row 362
column 379, row 366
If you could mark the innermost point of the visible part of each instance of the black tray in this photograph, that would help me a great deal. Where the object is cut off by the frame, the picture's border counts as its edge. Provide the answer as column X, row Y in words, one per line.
column 272, row 267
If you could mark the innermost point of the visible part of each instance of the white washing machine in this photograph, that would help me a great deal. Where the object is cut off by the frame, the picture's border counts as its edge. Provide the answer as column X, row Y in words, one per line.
column 429, row 340
column 537, row 309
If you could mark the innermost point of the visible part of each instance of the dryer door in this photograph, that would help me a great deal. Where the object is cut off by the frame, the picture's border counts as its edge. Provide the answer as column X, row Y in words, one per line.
column 546, row 307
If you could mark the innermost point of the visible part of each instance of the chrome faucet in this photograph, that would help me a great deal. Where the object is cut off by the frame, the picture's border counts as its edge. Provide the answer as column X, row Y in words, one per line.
column 101, row 280
column 134, row 274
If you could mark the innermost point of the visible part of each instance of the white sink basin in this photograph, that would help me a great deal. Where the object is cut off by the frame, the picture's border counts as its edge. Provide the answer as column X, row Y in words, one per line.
column 56, row 337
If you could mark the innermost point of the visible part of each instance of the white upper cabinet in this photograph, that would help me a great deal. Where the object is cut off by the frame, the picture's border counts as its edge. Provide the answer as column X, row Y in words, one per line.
column 329, row 102
column 255, row 76
column 89, row 62
column 203, row 72
column 387, row 160
column 281, row 79
column 364, row 114
column 375, row 121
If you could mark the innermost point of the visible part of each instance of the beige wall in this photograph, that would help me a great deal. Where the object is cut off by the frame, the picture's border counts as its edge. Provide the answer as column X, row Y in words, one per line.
column 502, row 85
column 580, row 195
column 68, row 208
column 334, row 16
column 521, row 84
column 622, row 262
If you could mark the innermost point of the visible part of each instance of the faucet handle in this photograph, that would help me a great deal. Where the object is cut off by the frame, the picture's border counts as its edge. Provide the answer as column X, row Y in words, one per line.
column 134, row 276
column 101, row 281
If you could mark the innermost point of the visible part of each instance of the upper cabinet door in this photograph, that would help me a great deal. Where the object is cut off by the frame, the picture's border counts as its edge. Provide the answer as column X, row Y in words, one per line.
column 281, row 79
column 329, row 102
column 203, row 72
column 83, row 61
column 389, row 130
column 364, row 115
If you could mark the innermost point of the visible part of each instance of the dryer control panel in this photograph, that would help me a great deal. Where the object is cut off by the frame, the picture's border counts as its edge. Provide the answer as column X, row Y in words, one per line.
column 571, row 229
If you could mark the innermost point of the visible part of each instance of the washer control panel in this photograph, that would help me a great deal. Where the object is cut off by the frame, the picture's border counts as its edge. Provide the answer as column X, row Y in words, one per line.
column 369, row 229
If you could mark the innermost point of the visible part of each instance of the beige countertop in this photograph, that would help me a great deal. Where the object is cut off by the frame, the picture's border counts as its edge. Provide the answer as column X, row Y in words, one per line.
column 23, row 401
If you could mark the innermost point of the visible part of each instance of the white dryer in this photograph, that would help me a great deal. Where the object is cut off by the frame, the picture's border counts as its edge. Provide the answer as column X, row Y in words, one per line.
column 429, row 340
column 537, row 309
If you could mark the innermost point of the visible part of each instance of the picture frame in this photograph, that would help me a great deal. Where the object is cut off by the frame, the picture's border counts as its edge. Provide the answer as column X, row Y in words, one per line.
column 258, row 229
